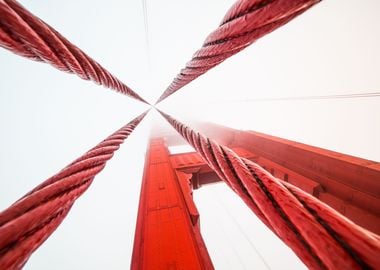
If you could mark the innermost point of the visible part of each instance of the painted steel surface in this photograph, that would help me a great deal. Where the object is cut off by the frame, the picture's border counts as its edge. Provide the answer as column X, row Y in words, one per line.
column 167, row 231
column 244, row 23
column 25, row 34
column 27, row 223
column 320, row 236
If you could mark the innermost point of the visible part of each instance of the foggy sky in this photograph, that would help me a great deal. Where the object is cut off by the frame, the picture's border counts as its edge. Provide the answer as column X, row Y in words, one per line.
column 49, row 118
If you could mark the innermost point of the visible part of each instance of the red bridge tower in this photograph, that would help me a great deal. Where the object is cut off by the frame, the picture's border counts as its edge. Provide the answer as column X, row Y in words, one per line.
column 168, row 232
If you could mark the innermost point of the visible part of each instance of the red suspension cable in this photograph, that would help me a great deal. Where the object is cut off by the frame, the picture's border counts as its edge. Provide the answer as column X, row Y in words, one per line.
column 321, row 237
column 244, row 23
column 26, row 224
column 25, row 34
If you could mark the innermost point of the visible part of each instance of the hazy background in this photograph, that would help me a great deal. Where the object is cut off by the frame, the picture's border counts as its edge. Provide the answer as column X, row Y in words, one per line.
column 49, row 118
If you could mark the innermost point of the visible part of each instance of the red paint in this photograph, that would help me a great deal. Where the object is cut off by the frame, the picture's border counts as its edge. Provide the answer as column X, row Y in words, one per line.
column 25, row 34
column 167, row 230
column 351, row 185
column 244, row 23
column 27, row 223
column 308, row 226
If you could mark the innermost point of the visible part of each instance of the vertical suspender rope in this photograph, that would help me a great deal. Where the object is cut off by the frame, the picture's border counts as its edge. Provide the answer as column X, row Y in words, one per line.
column 26, row 224
column 243, row 233
column 25, row 34
column 244, row 23
column 321, row 237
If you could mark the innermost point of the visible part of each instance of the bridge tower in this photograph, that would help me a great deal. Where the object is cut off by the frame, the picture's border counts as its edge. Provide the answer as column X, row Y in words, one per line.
column 168, row 233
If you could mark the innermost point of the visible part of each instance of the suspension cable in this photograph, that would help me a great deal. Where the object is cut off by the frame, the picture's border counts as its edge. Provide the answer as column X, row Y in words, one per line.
column 26, row 224
column 230, row 242
column 295, row 98
column 320, row 236
column 146, row 29
column 25, row 34
column 237, row 224
column 244, row 23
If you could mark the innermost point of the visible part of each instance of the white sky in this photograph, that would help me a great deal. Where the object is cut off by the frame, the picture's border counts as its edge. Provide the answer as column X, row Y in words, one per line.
column 49, row 118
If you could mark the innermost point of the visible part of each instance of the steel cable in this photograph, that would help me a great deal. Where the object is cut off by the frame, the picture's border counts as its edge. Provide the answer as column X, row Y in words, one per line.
column 302, row 98
column 25, row 34
column 244, row 23
column 321, row 237
column 241, row 230
column 26, row 224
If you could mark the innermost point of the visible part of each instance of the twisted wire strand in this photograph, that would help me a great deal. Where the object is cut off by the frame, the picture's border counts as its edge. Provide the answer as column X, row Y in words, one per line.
column 244, row 23
column 26, row 35
column 320, row 236
column 26, row 224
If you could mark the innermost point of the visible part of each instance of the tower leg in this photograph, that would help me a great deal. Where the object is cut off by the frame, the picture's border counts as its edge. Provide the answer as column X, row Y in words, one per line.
column 167, row 232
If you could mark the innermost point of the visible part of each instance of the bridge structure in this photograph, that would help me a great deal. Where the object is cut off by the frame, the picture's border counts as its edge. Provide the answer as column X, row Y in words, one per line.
column 322, row 204
column 168, row 234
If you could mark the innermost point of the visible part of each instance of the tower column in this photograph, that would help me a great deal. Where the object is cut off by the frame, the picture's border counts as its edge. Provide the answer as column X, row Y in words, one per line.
column 167, row 232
